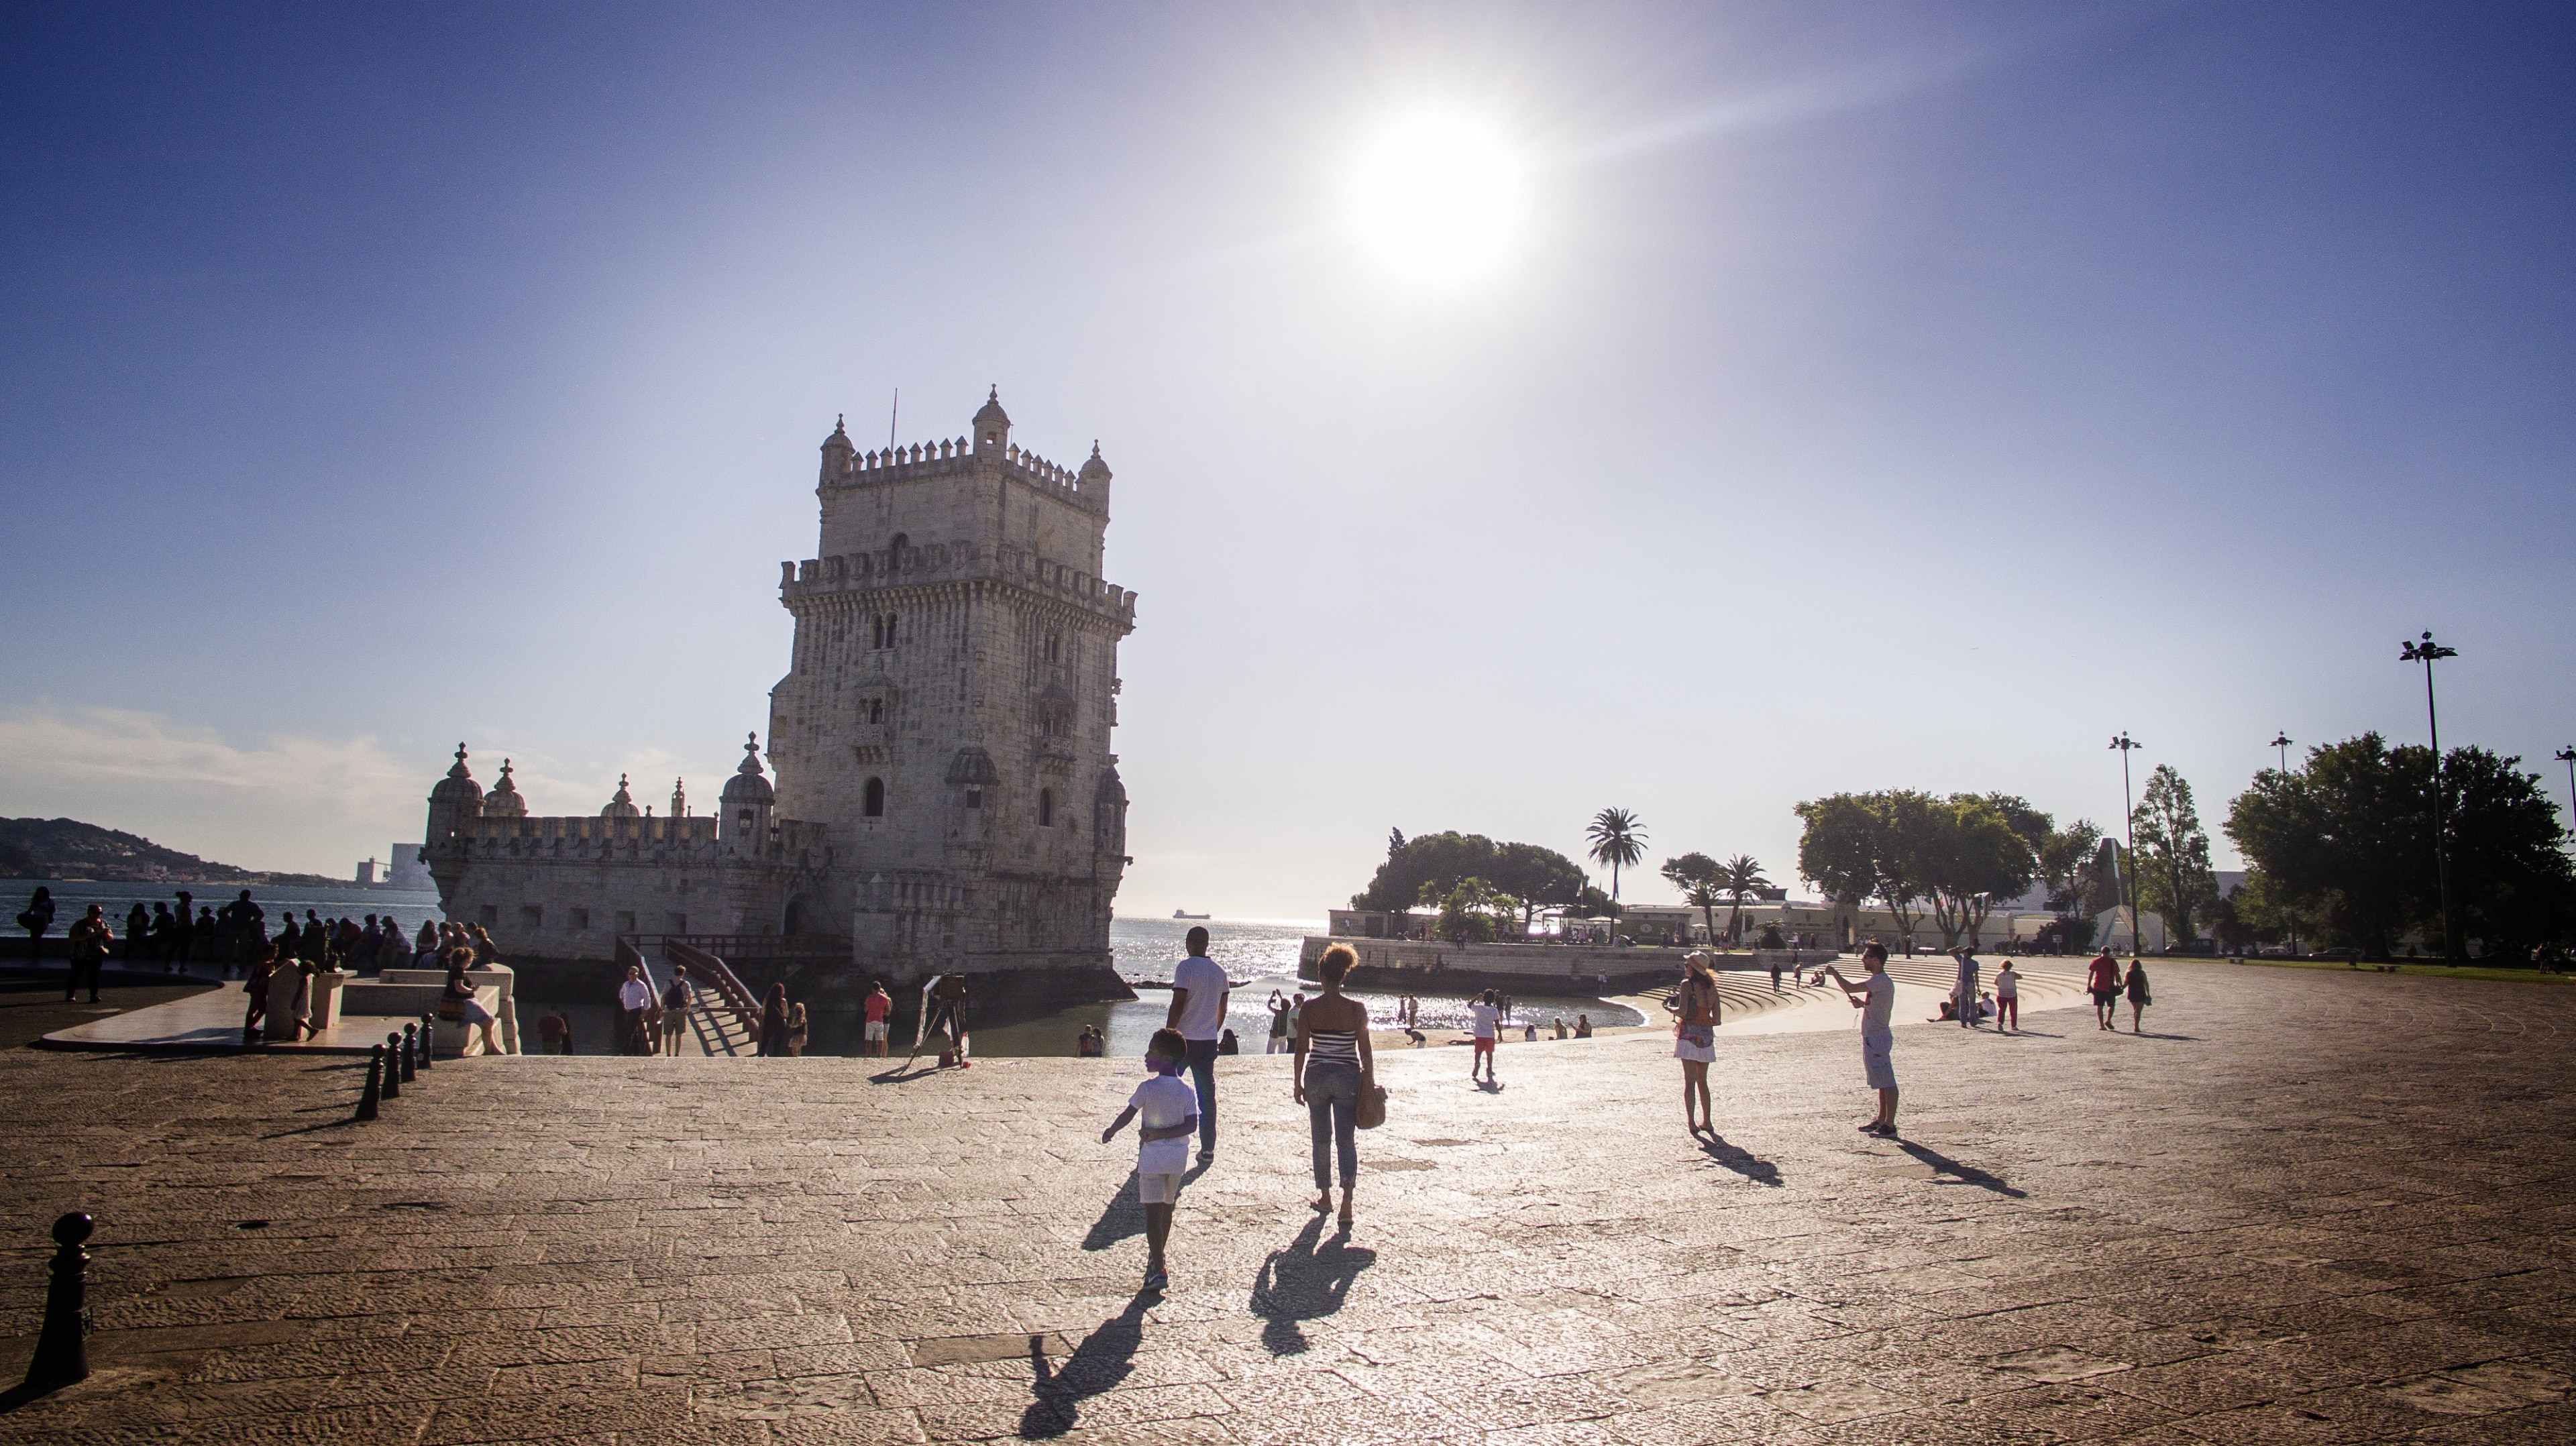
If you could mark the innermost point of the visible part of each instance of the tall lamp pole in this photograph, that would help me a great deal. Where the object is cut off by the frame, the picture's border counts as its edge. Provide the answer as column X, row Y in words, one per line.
column 2568, row 757
column 2129, row 866
column 2426, row 652
column 2281, row 740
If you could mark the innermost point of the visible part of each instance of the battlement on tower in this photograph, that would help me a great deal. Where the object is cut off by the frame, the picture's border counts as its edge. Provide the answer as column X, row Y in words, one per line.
column 941, row 562
column 926, row 461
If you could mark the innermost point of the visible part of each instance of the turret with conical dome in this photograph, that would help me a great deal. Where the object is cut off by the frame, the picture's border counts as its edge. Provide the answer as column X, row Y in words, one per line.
column 743, row 819
column 992, row 426
column 504, row 800
column 622, row 805
column 837, row 452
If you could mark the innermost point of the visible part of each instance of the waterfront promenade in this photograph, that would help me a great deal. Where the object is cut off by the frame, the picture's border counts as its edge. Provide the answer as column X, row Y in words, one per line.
column 2308, row 1206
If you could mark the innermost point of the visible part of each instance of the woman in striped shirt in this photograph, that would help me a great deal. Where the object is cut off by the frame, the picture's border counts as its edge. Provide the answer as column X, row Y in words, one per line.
column 1333, row 1065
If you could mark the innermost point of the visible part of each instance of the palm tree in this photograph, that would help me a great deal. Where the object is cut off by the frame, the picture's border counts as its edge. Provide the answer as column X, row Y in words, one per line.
column 1739, row 876
column 1617, row 840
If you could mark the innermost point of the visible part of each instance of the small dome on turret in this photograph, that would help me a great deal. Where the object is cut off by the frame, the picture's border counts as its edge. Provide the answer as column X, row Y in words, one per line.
column 992, row 424
column 747, row 785
column 504, row 800
column 458, row 787
column 1094, row 471
column 623, row 805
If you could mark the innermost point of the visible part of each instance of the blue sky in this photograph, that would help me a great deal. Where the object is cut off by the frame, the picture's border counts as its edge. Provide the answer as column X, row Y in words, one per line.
column 1903, row 395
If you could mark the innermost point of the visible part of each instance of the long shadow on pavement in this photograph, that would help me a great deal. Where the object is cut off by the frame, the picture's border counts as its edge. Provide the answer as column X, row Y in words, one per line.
column 1124, row 1216
column 1104, row 1358
column 1307, row 1281
column 1965, row 1174
column 1741, row 1160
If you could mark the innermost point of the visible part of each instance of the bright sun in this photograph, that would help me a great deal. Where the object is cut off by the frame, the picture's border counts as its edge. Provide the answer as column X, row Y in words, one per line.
column 1439, row 199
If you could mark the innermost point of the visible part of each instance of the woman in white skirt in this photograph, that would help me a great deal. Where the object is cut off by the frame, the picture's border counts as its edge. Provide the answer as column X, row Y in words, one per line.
column 1695, row 1018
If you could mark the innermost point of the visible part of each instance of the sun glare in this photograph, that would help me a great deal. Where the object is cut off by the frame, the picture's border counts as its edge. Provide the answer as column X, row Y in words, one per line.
column 1439, row 199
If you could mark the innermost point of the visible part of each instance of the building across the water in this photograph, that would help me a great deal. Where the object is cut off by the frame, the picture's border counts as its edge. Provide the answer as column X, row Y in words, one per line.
column 939, row 793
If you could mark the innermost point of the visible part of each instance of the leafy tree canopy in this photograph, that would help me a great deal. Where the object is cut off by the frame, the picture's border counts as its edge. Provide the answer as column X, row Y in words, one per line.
column 1531, row 877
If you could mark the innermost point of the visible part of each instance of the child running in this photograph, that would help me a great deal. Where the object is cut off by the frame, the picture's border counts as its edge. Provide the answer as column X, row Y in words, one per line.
column 1171, row 1115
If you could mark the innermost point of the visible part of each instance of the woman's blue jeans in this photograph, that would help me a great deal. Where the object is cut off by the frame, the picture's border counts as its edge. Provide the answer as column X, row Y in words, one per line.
column 1332, row 1107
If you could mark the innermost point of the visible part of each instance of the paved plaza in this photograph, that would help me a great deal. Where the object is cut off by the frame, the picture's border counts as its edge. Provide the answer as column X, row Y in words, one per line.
column 2305, row 1207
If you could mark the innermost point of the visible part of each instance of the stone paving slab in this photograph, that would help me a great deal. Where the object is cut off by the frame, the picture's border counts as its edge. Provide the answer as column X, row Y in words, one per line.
column 2303, row 1207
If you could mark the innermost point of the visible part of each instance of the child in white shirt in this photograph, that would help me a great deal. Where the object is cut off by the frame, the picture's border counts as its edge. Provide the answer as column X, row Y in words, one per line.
column 1171, row 1115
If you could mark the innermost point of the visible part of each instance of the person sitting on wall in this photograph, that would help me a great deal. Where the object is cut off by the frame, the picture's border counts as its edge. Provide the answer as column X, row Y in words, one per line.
column 1583, row 1026
column 1226, row 1043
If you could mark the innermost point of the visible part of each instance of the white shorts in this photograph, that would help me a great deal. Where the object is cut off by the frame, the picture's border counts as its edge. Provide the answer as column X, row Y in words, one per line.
column 1158, row 1189
column 1683, row 1049
column 1874, row 1060
column 876, row 1032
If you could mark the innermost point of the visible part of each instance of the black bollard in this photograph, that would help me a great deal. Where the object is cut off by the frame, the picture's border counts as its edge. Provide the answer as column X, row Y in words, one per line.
column 410, row 1048
column 393, row 1071
column 428, row 1041
column 62, row 1350
column 373, row 1092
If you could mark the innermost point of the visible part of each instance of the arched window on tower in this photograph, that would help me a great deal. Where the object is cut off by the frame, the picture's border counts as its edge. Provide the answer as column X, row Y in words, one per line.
column 889, row 630
column 1046, row 808
column 1055, row 647
column 873, row 800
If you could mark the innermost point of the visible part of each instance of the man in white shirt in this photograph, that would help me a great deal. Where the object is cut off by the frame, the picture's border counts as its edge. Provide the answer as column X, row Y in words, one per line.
column 1486, row 1015
column 1875, row 998
column 633, row 998
column 1199, row 991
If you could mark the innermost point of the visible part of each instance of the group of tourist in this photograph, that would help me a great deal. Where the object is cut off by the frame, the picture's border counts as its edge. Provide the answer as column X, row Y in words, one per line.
column 651, row 1023
column 234, row 938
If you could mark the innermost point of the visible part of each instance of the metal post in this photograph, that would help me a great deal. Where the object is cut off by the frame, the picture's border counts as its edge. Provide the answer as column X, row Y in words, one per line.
column 374, row 1090
column 428, row 1041
column 2568, row 757
column 2281, row 740
column 410, row 1047
column 62, row 1348
column 2129, row 868
column 2425, row 652
column 392, row 1068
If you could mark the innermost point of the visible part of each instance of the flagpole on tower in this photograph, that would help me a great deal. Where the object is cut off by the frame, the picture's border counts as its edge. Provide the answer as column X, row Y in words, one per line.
column 893, row 412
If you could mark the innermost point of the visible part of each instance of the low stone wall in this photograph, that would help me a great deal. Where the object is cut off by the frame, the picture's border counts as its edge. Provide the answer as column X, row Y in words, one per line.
column 997, row 996
column 1578, row 968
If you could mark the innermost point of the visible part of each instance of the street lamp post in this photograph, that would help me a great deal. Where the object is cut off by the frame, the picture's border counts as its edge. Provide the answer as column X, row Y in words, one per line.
column 2282, row 742
column 2426, row 652
column 2129, row 867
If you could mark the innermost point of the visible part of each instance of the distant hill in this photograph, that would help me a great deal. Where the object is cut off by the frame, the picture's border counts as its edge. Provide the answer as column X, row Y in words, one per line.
column 66, row 848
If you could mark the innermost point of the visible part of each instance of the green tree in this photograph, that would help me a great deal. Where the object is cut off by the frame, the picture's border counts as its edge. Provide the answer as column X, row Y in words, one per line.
column 2065, row 859
column 1742, row 879
column 1852, row 850
column 1618, row 840
column 2174, row 878
column 1695, row 877
column 2346, row 840
column 1969, row 856
column 1470, row 909
column 1535, row 878
column 1441, row 858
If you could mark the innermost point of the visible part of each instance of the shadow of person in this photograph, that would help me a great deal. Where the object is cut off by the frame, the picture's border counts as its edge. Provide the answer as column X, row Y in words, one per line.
column 1306, row 1281
column 1121, row 1219
column 1742, row 1161
column 1103, row 1359
column 1964, row 1174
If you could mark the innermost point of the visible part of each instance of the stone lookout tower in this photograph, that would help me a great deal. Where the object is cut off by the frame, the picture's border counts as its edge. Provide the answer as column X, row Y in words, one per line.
column 945, row 796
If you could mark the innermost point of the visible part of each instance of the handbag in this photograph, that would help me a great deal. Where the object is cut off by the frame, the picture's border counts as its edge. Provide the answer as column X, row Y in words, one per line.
column 1369, row 1110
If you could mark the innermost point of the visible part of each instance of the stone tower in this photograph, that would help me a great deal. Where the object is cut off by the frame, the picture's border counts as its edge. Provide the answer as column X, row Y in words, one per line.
column 947, row 715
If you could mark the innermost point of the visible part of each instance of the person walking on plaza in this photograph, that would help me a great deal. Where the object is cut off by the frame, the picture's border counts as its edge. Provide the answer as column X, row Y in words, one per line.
column 1199, row 992
column 1695, row 1016
column 2102, row 980
column 1963, row 994
column 1170, row 1112
column 675, row 1009
column 634, row 997
column 2007, row 998
column 1333, row 1069
column 773, row 1023
column 1483, row 1016
column 943, row 1011
column 90, row 937
column 2139, row 999
column 873, row 1011
column 255, row 980
column 554, row 1033
column 1875, row 998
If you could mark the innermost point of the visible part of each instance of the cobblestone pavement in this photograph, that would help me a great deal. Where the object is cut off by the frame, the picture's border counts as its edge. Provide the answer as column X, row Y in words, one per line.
column 2306, row 1207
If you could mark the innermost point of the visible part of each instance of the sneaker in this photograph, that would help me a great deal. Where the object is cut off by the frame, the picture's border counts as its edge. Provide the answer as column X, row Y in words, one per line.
column 1157, row 1279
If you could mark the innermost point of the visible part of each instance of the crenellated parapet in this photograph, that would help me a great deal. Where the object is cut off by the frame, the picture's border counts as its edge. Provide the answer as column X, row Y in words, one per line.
column 929, row 461
column 942, row 562
column 608, row 838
